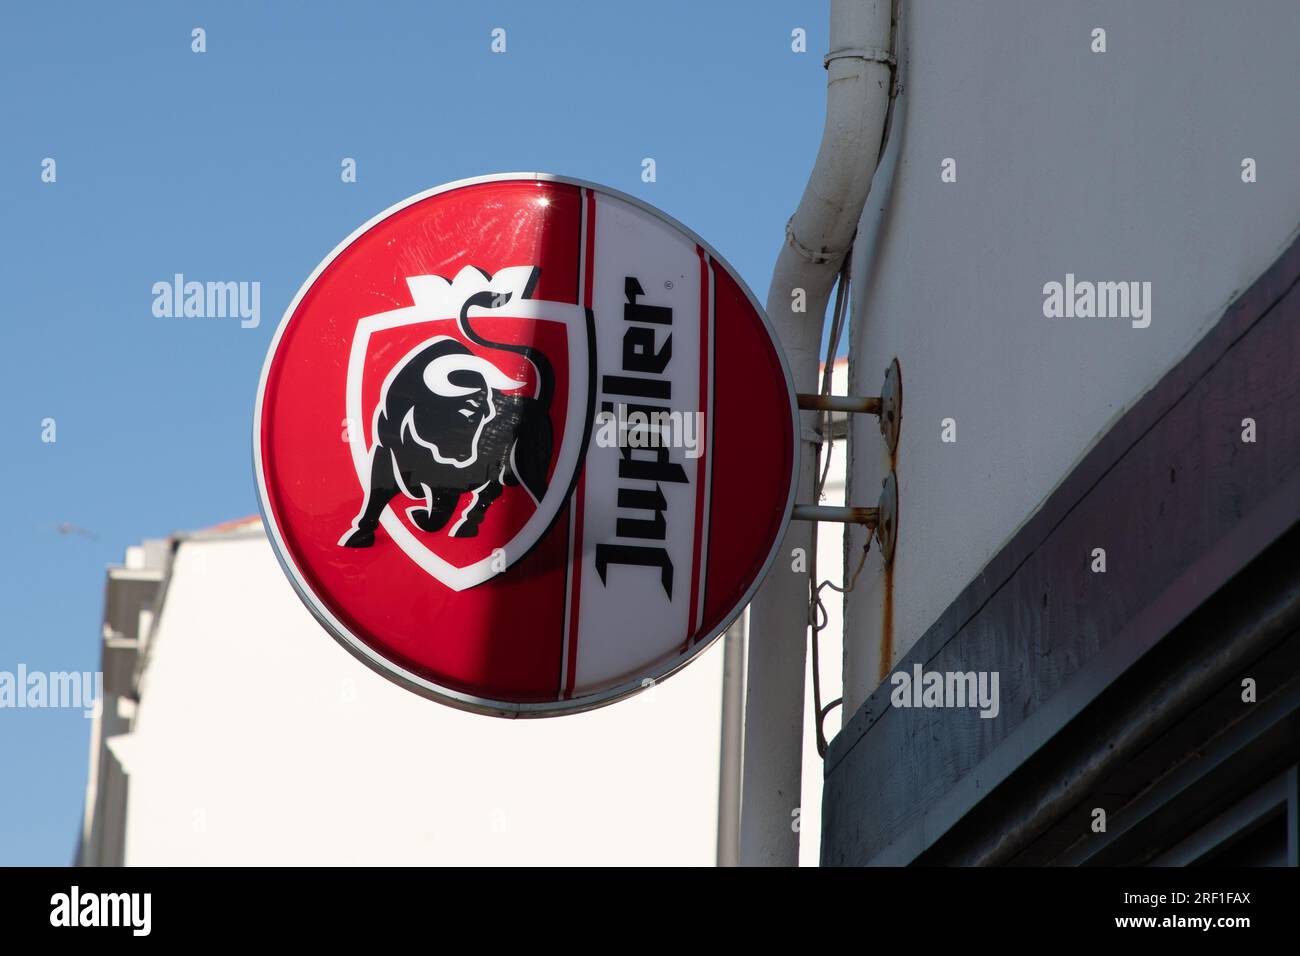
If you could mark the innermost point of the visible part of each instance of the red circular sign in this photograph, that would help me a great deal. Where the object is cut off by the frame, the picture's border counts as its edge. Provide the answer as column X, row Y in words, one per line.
column 524, row 444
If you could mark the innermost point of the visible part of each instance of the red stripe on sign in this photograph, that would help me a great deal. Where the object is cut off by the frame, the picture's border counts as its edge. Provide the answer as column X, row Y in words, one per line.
column 578, row 503
column 575, row 594
column 752, row 449
column 590, row 252
column 699, row 565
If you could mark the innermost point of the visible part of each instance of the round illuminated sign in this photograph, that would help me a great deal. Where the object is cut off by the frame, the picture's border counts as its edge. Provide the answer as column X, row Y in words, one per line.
column 524, row 444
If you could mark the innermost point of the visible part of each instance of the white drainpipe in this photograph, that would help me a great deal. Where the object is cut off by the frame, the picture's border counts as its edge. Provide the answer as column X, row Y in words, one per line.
column 818, row 236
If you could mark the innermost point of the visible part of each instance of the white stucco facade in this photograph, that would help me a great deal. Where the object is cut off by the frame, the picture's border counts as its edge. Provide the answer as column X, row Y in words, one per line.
column 1117, row 166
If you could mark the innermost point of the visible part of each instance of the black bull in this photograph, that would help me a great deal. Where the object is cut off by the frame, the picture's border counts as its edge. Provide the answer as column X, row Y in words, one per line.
column 445, row 429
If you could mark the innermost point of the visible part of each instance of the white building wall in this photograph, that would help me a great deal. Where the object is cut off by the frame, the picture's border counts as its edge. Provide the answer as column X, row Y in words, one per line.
column 258, row 740
column 1123, row 165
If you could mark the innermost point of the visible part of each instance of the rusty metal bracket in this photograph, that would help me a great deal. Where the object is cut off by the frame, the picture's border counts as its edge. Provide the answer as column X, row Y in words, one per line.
column 888, row 405
column 817, row 402
column 835, row 513
column 882, row 519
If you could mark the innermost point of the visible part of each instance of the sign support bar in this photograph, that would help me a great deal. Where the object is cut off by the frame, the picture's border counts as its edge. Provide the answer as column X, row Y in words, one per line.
column 865, row 516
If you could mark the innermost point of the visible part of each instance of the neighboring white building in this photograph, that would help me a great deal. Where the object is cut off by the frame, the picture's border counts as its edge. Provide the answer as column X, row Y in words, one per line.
column 235, row 730
column 256, row 739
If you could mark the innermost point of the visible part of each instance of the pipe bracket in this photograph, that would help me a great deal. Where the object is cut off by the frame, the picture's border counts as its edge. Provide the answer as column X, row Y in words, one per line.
column 808, row 253
column 870, row 54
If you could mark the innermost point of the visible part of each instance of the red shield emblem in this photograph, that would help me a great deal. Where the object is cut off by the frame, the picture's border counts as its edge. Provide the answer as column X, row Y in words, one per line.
column 468, row 412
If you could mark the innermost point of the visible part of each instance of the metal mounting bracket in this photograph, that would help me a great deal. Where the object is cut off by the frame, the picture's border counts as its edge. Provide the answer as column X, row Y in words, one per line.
column 888, row 405
column 891, row 405
column 882, row 519
column 836, row 513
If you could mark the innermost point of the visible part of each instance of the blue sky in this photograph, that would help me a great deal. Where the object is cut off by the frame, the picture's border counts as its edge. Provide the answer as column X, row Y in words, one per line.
column 225, row 166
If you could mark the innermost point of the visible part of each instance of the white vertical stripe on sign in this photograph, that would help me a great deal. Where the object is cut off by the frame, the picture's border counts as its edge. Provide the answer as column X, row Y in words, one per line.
column 631, row 609
column 705, row 485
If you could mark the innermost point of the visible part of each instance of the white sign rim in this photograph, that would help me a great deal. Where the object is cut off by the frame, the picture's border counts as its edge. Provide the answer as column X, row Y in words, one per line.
column 421, row 685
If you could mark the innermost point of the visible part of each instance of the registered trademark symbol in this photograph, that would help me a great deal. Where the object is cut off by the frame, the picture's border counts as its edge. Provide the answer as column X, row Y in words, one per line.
column 668, row 284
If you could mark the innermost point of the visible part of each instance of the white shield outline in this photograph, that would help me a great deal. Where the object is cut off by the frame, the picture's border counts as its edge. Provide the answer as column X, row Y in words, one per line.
column 579, row 330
